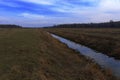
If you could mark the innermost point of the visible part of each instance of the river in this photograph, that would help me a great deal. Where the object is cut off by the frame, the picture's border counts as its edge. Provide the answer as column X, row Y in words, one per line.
column 103, row 60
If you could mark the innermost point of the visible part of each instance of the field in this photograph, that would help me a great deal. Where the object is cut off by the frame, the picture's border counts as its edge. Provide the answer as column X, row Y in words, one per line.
column 106, row 40
column 32, row 54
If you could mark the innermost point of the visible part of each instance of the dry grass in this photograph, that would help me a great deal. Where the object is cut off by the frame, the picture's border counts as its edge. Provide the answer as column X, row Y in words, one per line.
column 32, row 54
column 105, row 40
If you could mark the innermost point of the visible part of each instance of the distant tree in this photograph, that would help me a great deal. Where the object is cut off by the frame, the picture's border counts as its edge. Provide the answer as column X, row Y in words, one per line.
column 111, row 23
column 9, row 26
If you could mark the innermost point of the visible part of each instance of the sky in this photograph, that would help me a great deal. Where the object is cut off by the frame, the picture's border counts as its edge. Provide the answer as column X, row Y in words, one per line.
column 41, row 13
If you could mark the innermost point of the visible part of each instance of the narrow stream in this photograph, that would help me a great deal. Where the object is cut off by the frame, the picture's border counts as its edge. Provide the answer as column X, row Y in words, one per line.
column 100, row 58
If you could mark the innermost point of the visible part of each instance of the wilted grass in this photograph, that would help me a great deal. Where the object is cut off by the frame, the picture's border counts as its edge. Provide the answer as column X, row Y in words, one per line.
column 32, row 54
column 106, row 40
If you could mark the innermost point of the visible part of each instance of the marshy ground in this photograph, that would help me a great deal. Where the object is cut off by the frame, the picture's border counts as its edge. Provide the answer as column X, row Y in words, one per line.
column 32, row 54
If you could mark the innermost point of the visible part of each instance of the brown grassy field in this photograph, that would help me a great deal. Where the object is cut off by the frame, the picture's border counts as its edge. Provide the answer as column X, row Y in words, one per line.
column 32, row 54
column 106, row 40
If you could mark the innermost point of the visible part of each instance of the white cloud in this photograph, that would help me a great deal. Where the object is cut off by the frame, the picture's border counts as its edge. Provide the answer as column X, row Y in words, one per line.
column 32, row 16
column 105, row 10
column 43, row 2
column 109, row 5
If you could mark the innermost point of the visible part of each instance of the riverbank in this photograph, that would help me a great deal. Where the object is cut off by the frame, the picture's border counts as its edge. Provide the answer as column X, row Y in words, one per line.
column 103, row 60
column 32, row 54
column 105, row 40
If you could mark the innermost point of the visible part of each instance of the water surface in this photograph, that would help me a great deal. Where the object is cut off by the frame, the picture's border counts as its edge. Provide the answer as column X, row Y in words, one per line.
column 100, row 58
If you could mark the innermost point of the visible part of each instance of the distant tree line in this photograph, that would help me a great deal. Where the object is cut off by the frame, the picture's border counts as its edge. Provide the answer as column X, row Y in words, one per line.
column 110, row 24
column 9, row 26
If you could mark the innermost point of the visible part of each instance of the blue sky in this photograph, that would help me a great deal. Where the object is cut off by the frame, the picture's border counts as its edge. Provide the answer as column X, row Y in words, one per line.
column 37, row 13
